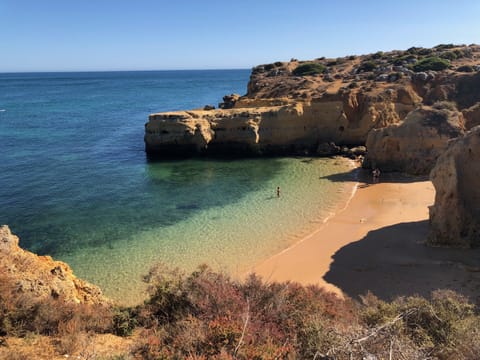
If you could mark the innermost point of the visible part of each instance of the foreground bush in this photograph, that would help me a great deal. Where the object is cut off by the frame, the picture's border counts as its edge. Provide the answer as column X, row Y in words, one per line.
column 445, row 327
column 21, row 313
column 207, row 315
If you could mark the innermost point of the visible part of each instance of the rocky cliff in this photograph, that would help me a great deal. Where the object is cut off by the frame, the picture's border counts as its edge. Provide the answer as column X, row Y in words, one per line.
column 41, row 276
column 455, row 215
column 294, row 107
column 280, row 126
column 414, row 145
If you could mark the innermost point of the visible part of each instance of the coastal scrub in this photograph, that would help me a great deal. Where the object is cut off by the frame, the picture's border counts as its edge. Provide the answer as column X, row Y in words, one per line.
column 309, row 69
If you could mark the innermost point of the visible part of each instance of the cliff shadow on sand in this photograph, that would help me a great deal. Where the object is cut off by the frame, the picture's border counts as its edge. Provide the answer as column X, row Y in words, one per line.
column 394, row 261
column 365, row 177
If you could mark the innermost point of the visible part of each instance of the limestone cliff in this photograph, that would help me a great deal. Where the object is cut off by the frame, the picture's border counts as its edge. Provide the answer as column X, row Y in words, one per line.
column 294, row 107
column 414, row 145
column 455, row 215
column 277, row 126
column 41, row 276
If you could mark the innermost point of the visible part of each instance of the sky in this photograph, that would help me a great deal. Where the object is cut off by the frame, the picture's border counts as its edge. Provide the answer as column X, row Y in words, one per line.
column 90, row 35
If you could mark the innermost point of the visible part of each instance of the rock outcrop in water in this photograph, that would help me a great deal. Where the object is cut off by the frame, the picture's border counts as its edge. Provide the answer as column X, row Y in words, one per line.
column 272, row 127
column 41, row 276
column 297, row 107
column 455, row 215
column 414, row 145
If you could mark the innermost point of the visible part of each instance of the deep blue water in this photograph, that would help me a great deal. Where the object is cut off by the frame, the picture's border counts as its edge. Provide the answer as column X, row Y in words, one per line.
column 73, row 171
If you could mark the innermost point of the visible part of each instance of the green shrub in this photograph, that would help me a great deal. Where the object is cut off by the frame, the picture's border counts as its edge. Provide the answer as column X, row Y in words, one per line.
column 124, row 321
column 449, row 55
column 461, row 53
column 433, row 326
column 423, row 51
column 308, row 69
column 367, row 66
column 169, row 299
column 444, row 46
column 399, row 60
column 431, row 63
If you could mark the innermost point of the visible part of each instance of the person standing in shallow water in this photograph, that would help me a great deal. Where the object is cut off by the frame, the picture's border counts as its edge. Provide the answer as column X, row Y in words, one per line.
column 278, row 191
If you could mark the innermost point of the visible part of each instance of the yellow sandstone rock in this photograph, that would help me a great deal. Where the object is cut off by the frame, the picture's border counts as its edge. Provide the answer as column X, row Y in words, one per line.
column 41, row 276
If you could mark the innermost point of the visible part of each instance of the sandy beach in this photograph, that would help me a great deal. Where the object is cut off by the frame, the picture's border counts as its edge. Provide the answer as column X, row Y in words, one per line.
column 376, row 243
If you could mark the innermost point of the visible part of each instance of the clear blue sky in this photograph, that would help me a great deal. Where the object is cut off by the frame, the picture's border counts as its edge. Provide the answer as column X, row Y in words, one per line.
column 71, row 35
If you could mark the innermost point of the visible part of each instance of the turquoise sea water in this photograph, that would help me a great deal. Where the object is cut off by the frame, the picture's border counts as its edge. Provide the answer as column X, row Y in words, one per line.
column 75, row 182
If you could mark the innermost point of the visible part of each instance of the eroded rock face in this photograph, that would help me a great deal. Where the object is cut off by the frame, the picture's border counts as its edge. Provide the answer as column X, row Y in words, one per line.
column 276, row 126
column 414, row 145
column 455, row 215
column 41, row 276
column 472, row 116
column 294, row 107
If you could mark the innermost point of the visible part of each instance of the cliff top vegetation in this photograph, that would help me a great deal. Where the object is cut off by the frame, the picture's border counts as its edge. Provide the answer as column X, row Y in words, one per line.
column 308, row 79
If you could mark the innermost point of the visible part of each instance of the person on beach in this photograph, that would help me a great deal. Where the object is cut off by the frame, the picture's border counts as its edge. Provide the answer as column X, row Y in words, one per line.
column 376, row 175
column 278, row 191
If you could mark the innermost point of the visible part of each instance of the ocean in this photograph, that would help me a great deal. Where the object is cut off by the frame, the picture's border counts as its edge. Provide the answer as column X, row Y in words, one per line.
column 75, row 182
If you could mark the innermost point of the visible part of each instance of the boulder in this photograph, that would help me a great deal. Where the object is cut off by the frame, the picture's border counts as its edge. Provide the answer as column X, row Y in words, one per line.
column 421, row 76
column 414, row 145
column 455, row 215
column 229, row 101
column 359, row 150
column 382, row 77
column 328, row 149
column 353, row 153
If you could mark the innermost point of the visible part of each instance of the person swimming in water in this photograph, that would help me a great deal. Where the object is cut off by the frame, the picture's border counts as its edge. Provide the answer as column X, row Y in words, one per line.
column 278, row 191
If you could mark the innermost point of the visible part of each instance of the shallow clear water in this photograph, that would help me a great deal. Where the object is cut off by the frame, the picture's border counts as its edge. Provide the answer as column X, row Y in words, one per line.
column 75, row 182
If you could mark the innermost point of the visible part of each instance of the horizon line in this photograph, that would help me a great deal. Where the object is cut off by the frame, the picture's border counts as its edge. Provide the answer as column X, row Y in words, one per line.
column 137, row 70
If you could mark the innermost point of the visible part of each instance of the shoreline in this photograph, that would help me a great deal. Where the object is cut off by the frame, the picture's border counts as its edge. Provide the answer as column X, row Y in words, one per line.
column 230, row 238
column 396, row 199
